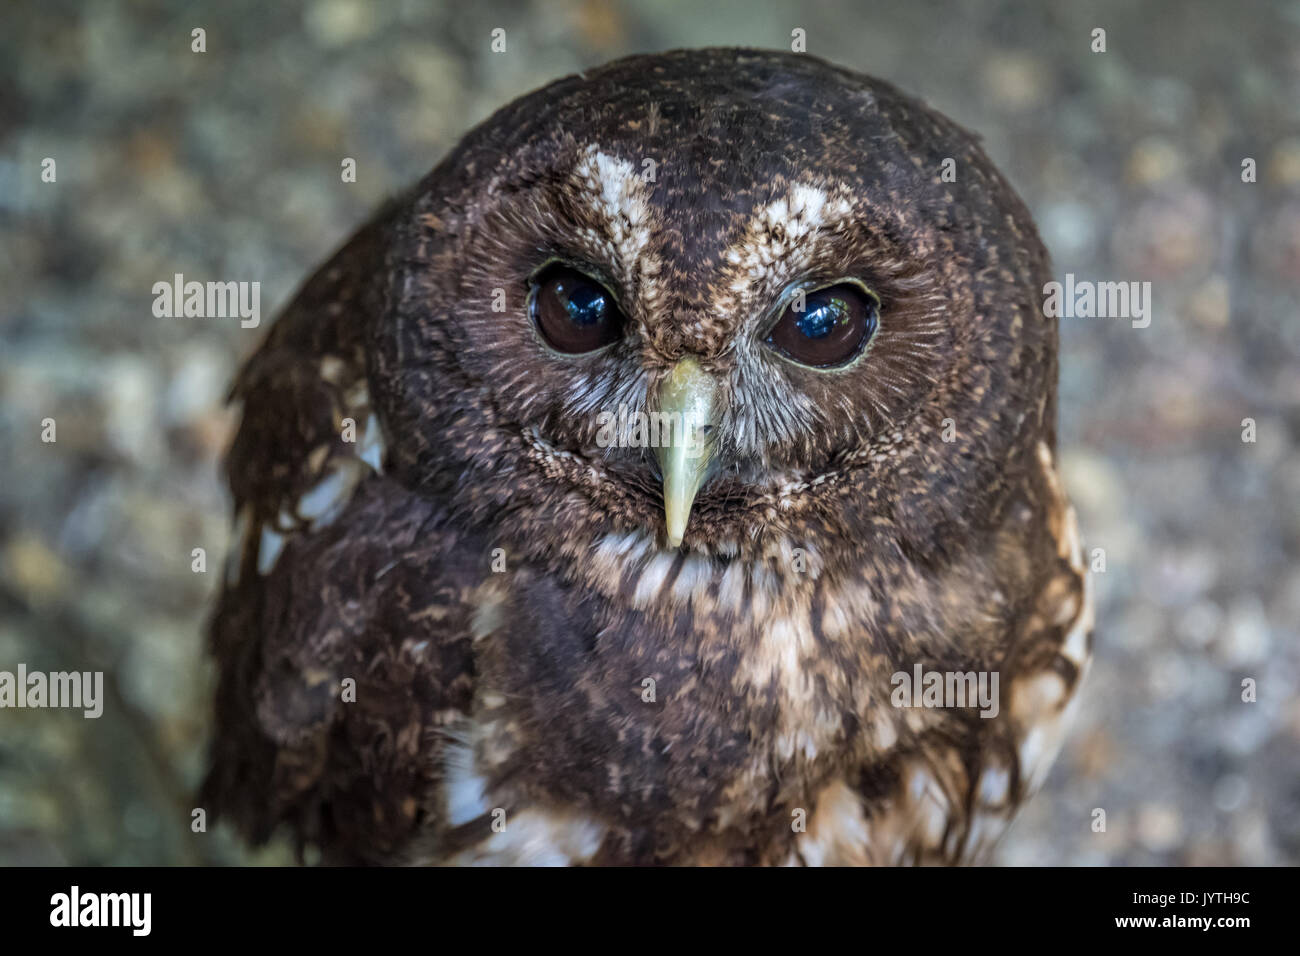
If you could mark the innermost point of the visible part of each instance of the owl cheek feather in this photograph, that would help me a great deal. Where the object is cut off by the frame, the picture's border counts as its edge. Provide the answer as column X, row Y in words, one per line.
column 688, row 400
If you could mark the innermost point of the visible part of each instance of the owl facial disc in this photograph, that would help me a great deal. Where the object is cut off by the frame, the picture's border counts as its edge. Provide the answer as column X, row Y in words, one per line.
column 688, row 402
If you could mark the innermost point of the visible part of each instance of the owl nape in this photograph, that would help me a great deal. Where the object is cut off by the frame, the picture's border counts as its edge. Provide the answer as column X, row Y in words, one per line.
column 692, row 404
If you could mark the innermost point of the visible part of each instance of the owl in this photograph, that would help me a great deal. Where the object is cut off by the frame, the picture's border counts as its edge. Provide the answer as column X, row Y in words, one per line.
column 669, row 477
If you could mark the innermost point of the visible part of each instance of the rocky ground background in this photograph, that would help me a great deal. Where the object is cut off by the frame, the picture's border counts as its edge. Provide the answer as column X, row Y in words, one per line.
column 226, row 164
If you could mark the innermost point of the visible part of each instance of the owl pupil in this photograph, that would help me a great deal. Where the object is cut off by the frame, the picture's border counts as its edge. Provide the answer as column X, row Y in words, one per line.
column 828, row 327
column 818, row 321
column 586, row 304
column 573, row 312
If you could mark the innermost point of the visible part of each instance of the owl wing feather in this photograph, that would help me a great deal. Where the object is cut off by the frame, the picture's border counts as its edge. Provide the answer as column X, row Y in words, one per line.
column 342, row 632
column 948, row 797
column 957, row 797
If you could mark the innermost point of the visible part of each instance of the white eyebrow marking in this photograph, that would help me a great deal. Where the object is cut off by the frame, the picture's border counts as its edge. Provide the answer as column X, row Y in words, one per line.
column 778, row 232
column 780, row 241
column 618, row 195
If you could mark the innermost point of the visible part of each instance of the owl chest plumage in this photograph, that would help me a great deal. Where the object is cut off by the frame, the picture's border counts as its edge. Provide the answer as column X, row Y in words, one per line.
column 645, row 705
column 664, row 707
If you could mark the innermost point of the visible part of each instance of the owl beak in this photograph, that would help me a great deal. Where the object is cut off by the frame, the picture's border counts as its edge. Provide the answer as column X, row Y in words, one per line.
column 688, row 400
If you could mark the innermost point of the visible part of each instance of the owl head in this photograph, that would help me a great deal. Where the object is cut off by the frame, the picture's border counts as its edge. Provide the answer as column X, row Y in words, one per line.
column 724, row 299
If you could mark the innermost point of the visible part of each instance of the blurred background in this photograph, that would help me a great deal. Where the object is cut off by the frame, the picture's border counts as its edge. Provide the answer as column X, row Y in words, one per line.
column 225, row 165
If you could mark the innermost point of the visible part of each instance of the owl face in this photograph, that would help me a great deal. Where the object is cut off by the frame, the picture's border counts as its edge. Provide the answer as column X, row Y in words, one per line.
column 745, row 257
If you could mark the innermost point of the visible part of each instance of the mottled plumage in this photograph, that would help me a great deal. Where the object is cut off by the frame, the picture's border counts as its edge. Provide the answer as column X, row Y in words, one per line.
column 500, row 586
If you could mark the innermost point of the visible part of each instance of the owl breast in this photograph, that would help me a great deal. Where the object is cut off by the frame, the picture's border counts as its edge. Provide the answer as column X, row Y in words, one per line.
column 676, row 709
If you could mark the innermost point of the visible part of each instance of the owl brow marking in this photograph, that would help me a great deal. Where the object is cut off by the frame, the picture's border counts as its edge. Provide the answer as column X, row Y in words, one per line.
column 609, row 187
column 779, row 233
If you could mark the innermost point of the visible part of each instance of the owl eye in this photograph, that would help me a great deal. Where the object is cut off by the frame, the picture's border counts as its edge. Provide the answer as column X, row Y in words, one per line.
column 833, row 327
column 574, row 313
